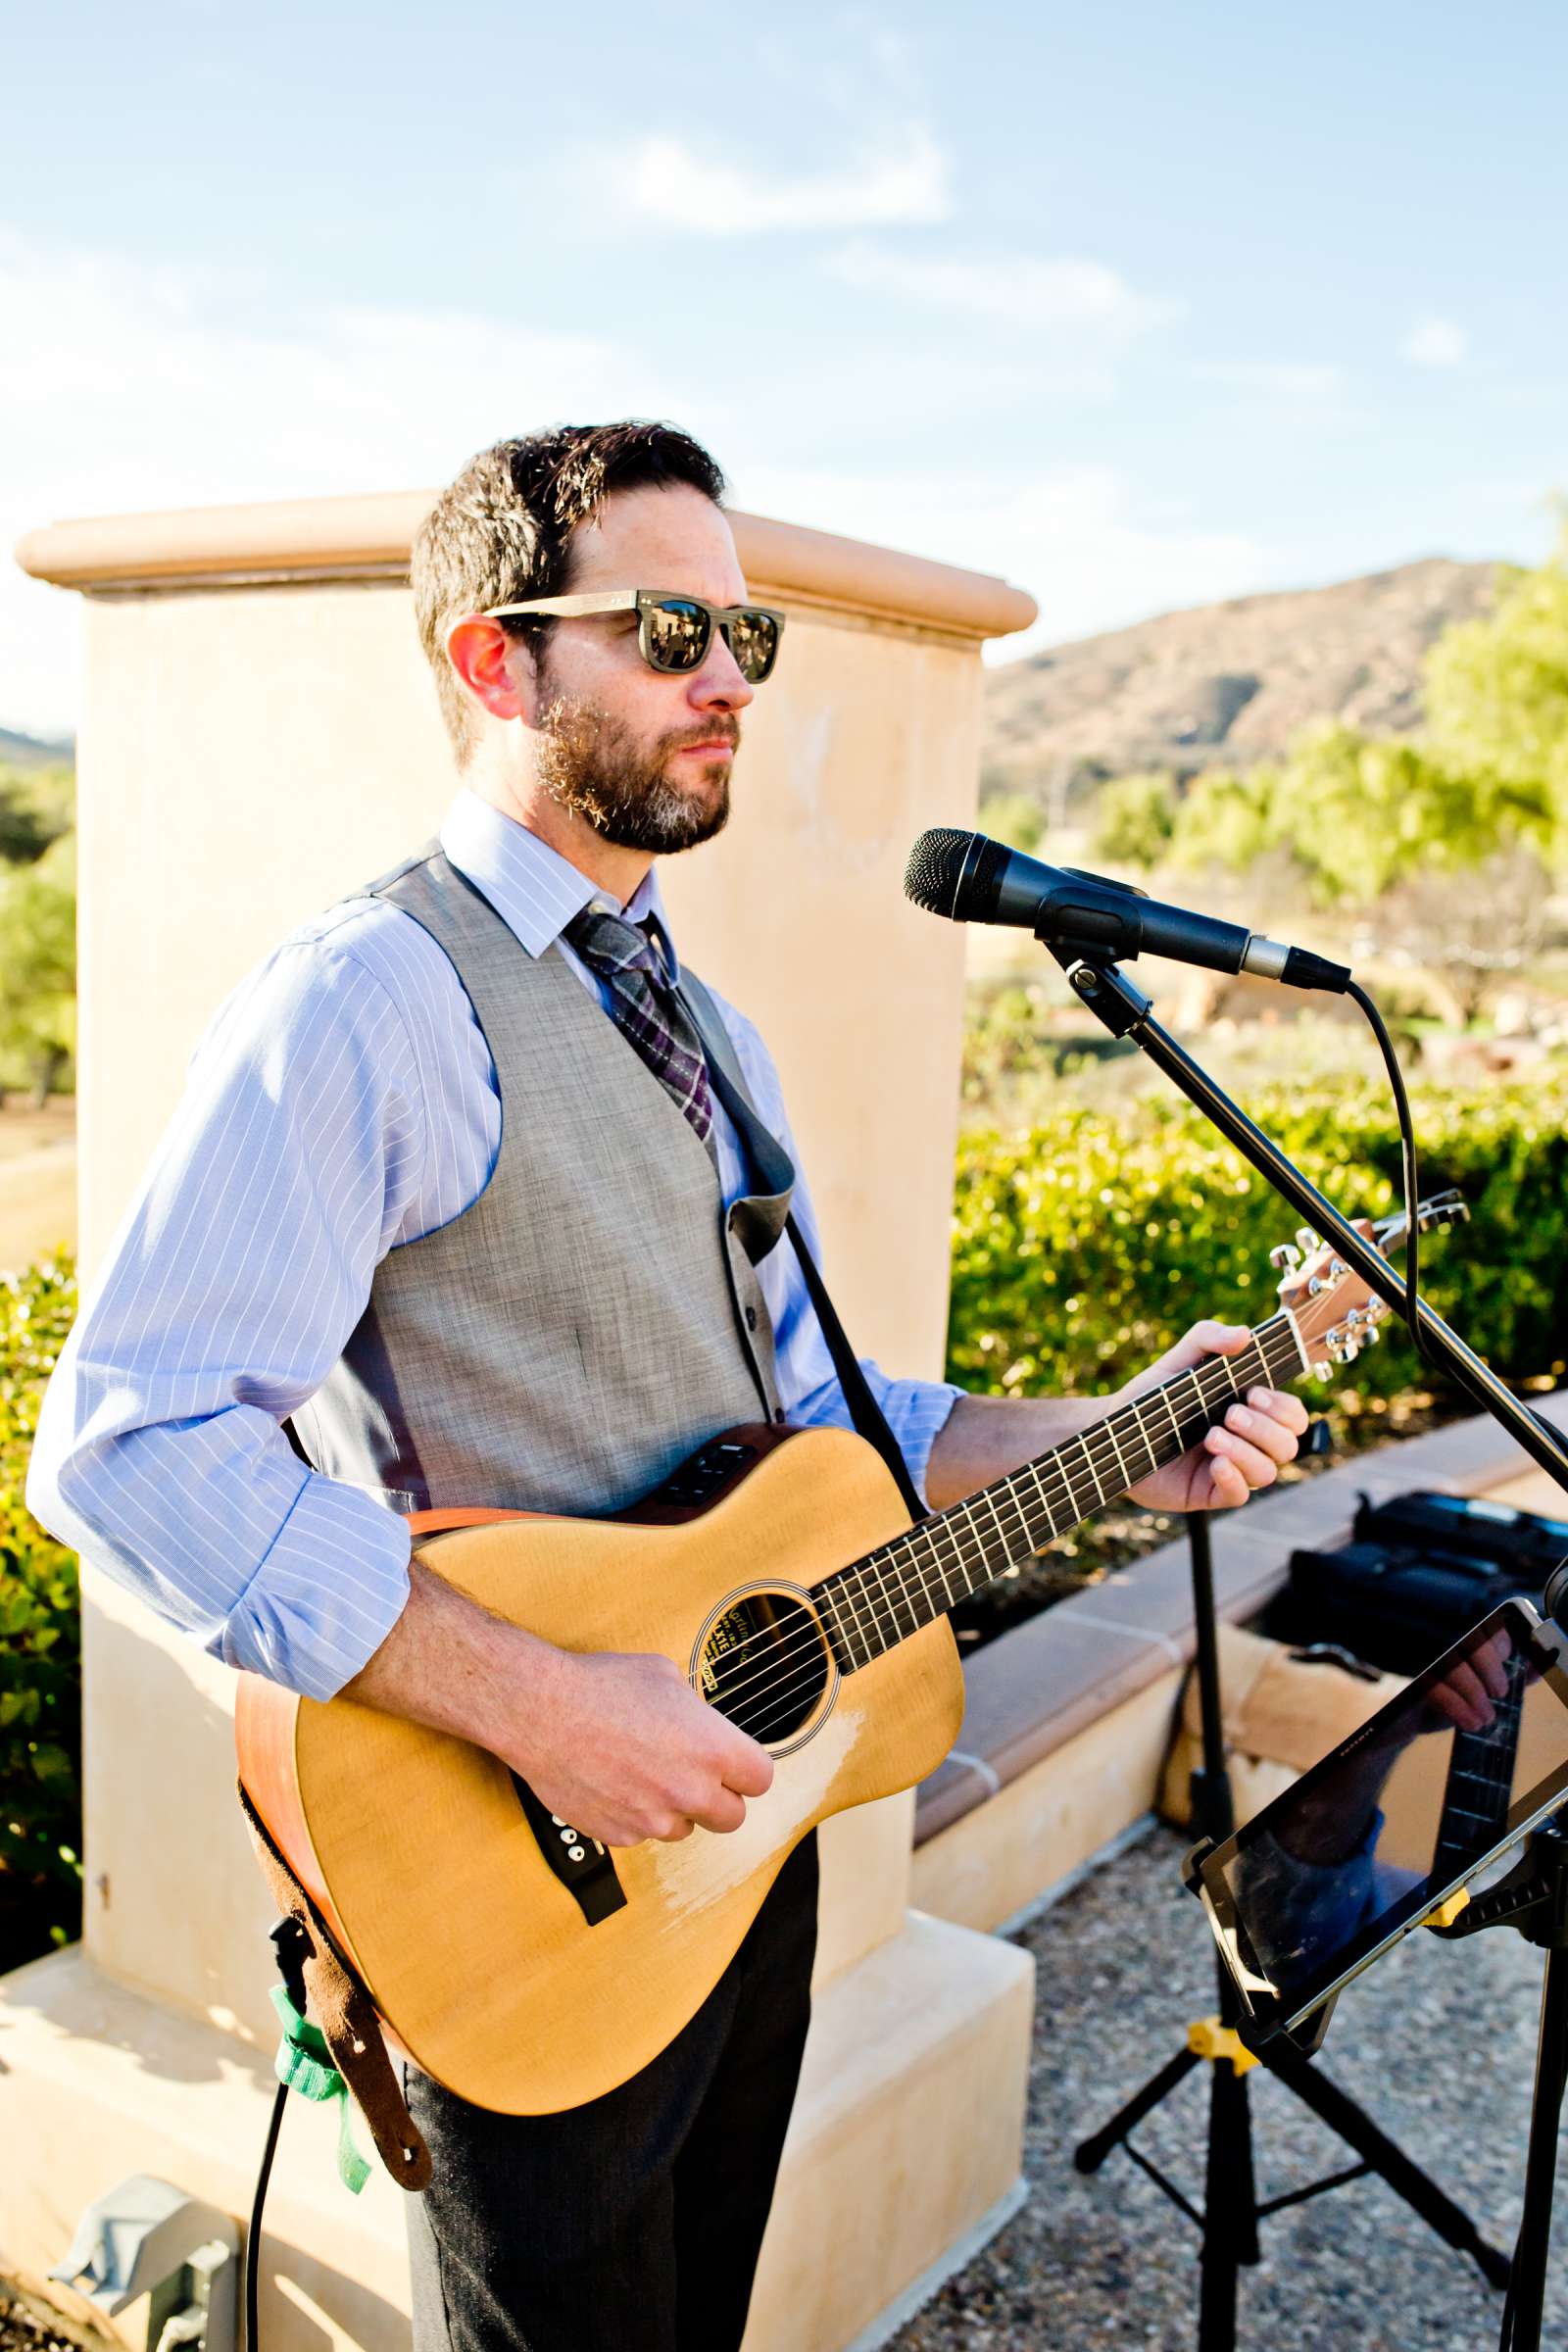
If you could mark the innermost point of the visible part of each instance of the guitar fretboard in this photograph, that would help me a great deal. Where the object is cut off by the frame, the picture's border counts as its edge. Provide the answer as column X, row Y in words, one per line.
column 1480, row 1781
column 881, row 1599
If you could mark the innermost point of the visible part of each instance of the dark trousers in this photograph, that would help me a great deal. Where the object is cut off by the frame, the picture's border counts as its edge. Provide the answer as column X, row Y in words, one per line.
column 632, row 2224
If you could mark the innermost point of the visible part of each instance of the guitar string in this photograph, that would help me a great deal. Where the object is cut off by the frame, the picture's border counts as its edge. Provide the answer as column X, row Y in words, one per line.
column 806, row 1648
column 1066, row 1490
column 1279, row 1333
column 979, row 1548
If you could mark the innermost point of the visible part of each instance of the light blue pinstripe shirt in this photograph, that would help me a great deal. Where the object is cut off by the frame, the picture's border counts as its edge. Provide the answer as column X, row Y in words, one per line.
column 341, row 1102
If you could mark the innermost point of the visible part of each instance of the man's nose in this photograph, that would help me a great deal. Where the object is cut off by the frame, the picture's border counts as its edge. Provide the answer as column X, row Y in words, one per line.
column 719, row 685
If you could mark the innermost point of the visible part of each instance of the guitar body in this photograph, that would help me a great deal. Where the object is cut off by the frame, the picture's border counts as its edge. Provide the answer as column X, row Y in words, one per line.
column 416, row 1849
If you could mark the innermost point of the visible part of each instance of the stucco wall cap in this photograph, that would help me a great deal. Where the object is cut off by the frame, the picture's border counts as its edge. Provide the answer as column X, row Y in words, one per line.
column 368, row 538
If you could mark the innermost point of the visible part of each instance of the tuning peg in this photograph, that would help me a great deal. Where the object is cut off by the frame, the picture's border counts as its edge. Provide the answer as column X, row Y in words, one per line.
column 1285, row 1258
column 1307, row 1241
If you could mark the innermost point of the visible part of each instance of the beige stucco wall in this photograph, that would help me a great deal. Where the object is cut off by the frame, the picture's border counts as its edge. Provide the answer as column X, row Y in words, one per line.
column 250, row 754
column 255, row 745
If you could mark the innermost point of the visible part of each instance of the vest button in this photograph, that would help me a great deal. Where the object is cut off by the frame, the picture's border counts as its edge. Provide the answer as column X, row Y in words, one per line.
column 751, row 1319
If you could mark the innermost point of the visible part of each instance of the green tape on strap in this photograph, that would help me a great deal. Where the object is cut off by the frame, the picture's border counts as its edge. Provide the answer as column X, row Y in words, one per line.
column 305, row 2064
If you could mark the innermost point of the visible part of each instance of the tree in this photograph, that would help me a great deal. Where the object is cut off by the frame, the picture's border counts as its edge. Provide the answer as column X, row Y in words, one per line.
column 1497, row 700
column 1013, row 818
column 1135, row 817
column 1226, row 818
column 38, row 964
column 36, row 807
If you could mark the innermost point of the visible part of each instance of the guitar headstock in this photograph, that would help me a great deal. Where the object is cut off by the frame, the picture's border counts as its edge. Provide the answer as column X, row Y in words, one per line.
column 1335, row 1311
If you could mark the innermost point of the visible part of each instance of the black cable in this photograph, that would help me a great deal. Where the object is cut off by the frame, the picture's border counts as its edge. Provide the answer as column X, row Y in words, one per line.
column 1412, row 1190
column 252, row 2237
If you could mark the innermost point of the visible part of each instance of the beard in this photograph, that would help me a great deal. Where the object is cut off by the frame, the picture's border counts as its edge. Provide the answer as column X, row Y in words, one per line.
column 589, row 763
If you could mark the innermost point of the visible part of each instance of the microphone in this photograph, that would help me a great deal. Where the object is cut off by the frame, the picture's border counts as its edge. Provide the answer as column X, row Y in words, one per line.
column 974, row 880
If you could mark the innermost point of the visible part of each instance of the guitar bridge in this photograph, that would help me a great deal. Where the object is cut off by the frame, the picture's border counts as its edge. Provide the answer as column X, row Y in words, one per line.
column 581, row 1863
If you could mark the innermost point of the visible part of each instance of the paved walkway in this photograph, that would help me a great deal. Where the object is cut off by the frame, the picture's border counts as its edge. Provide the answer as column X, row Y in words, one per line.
column 1436, row 2041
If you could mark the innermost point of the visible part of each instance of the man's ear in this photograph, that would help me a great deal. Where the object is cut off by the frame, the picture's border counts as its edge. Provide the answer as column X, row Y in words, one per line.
column 498, row 671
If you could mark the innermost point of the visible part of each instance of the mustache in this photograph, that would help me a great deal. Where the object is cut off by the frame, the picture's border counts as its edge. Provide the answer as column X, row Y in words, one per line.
column 717, row 730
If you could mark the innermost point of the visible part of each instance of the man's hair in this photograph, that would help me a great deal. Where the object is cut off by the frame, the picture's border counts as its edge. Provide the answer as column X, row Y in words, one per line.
column 502, row 533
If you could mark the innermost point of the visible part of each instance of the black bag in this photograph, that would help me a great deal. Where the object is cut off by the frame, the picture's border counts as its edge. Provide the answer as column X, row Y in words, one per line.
column 1418, row 1571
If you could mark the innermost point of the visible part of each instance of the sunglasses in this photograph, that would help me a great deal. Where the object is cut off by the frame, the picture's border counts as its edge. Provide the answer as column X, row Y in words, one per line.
column 673, row 632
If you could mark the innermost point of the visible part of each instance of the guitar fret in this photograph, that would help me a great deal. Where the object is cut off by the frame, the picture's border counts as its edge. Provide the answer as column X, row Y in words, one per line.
column 853, row 1633
column 1006, row 1540
column 1144, row 1440
column 864, row 1618
column 1110, row 1432
column 941, row 1567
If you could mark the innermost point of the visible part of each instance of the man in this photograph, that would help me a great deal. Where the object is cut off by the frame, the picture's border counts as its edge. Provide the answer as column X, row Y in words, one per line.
column 422, row 1205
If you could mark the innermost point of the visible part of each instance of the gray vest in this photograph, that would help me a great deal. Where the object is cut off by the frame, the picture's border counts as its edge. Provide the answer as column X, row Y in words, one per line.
column 594, row 1316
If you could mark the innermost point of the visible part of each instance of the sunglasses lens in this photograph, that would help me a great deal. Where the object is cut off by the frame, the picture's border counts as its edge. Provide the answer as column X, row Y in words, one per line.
column 754, row 641
column 675, row 633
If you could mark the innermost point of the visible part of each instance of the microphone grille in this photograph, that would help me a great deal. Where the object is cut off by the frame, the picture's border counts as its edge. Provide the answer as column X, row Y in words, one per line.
column 931, row 877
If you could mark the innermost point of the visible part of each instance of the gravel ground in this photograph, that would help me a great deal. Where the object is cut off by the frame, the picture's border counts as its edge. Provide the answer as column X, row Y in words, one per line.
column 26, row 2327
column 1436, row 2042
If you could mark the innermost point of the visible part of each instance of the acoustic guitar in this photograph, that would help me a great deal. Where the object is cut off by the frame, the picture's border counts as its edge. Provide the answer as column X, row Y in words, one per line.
column 529, row 1969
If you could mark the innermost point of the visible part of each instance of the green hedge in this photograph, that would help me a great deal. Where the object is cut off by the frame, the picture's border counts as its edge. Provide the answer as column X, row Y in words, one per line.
column 1086, row 1245
column 40, row 1648
column 1081, row 1247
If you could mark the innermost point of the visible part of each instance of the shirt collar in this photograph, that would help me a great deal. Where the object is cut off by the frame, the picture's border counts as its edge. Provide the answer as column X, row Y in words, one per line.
column 533, row 889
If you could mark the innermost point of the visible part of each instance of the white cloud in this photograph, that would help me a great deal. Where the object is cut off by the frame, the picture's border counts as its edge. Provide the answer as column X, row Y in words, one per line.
column 1021, row 289
column 898, row 177
column 1289, row 382
column 1078, row 538
column 127, row 388
column 1435, row 343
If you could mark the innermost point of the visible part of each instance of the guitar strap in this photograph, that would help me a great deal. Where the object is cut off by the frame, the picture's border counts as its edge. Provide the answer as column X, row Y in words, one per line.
column 772, row 1164
column 350, row 2027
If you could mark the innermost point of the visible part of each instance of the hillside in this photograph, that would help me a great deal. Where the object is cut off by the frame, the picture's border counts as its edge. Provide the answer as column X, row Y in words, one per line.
column 1222, row 683
column 31, row 751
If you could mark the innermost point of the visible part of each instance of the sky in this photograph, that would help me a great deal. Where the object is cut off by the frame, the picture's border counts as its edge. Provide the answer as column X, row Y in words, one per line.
column 1137, row 306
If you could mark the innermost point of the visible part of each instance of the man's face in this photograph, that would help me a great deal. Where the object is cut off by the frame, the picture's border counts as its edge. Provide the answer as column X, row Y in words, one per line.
column 642, row 757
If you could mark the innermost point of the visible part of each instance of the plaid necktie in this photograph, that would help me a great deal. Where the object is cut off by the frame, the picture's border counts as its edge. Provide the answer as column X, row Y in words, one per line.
column 648, row 1011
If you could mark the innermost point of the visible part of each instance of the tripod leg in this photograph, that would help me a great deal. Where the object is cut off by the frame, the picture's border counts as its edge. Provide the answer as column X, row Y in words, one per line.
column 1090, row 2154
column 1529, row 2282
column 1418, row 2189
column 1230, row 2208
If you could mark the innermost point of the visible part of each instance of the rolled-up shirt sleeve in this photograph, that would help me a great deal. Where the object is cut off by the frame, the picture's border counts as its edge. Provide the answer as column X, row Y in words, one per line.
column 809, row 1388
column 235, row 1278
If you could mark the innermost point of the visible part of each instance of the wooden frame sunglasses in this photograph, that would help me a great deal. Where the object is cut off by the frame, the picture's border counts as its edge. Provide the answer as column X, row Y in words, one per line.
column 673, row 631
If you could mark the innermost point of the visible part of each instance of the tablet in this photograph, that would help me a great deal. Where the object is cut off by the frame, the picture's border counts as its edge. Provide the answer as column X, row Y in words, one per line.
column 1422, row 1801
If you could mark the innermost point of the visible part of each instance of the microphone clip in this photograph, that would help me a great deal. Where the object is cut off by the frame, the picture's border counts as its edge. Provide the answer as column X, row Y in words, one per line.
column 1098, row 980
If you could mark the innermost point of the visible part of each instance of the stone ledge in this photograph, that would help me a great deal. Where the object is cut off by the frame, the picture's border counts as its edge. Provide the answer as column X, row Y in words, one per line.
column 1051, row 1679
column 368, row 538
column 98, row 2082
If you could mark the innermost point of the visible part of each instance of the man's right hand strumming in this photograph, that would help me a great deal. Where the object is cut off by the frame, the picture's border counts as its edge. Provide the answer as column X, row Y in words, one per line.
column 619, row 1745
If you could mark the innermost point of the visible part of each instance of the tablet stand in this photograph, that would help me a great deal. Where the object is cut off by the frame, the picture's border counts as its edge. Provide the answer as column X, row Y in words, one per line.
column 1231, row 2211
column 1533, row 1898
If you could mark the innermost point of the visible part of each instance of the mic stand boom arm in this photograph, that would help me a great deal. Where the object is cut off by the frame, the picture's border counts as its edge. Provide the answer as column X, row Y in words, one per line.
column 1125, row 1011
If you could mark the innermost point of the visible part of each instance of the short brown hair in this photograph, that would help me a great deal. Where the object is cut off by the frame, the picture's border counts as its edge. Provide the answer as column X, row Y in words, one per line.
column 502, row 533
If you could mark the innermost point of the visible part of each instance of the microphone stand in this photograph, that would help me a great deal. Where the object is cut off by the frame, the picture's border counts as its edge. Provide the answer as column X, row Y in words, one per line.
column 1230, row 2211
column 1124, row 1009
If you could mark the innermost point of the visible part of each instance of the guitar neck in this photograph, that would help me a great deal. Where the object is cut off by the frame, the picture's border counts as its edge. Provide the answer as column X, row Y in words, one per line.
column 892, row 1593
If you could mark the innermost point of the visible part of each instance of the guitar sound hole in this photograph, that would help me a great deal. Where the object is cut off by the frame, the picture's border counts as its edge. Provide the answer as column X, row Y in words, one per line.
column 765, row 1664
